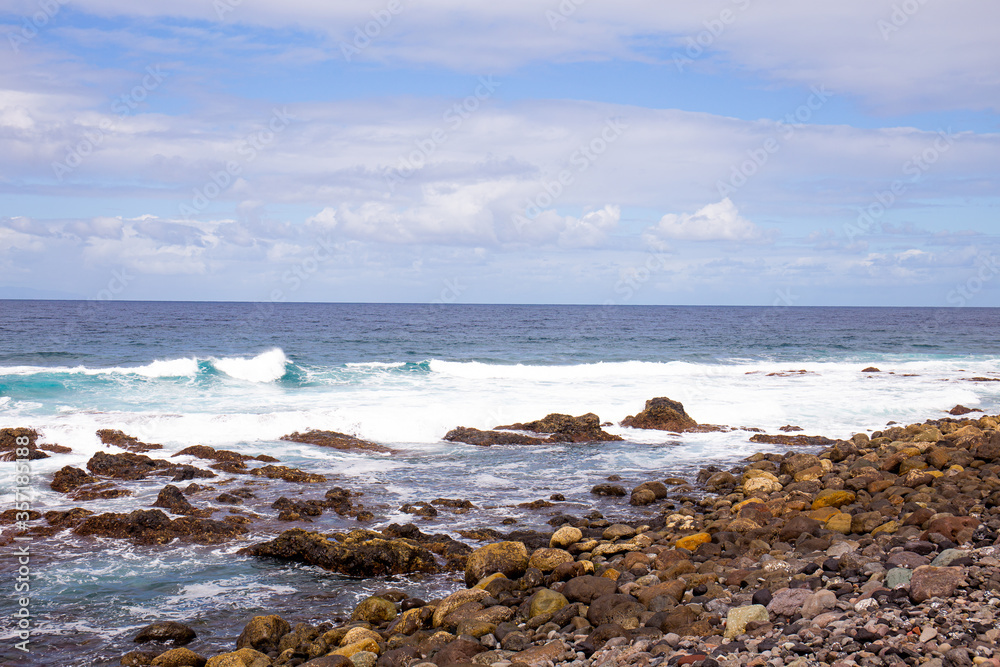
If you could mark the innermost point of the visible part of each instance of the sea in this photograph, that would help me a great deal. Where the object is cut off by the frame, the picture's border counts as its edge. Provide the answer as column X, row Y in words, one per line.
column 238, row 376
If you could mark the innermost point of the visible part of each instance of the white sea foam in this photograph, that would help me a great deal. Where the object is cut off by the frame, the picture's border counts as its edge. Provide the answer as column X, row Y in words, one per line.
column 265, row 367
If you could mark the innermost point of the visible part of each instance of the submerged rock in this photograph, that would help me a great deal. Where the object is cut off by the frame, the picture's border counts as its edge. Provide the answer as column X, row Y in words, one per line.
column 473, row 436
column 335, row 440
column 360, row 553
column 166, row 631
column 155, row 527
column 565, row 428
column 9, row 446
column 124, row 441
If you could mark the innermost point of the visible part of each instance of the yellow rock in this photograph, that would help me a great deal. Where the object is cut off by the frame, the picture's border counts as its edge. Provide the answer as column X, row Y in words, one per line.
column 611, row 573
column 888, row 528
column 833, row 498
column 823, row 514
column 956, row 469
column 486, row 581
column 357, row 647
column 692, row 542
column 547, row 559
column 840, row 523
column 743, row 503
column 937, row 473
column 758, row 481
column 454, row 601
column 245, row 657
column 354, row 635
column 809, row 474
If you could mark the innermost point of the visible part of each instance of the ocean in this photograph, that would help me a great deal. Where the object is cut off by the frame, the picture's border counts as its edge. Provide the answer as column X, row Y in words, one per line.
column 239, row 376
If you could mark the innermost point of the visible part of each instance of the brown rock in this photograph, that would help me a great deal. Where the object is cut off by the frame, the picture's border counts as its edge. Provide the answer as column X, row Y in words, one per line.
column 508, row 558
column 127, row 442
column 166, row 631
column 335, row 440
column 587, row 588
column 263, row 633
column 930, row 582
column 69, row 478
column 565, row 428
column 661, row 414
column 473, row 436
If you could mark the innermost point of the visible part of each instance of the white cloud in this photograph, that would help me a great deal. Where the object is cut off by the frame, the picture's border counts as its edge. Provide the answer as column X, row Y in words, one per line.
column 715, row 222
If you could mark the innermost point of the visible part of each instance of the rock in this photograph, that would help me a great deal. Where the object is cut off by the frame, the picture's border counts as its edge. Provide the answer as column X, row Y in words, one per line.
column 587, row 588
column 962, row 410
column 548, row 559
column 178, row 657
column 374, row 610
column 819, row 602
column 564, row 428
column 948, row 556
column 335, row 440
column 692, row 542
column 870, row 369
column 737, row 619
column 69, row 478
column 833, row 498
column 127, row 466
column 473, row 436
column 366, row 645
column 565, row 536
column 661, row 414
column 540, row 656
column 720, row 480
column 288, row 474
column 127, row 442
column 364, row 659
column 331, row 660
column 546, row 601
column 606, row 489
column 958, row 529
column 839, row 522
column 929, row 581
column 760, row 482
column 957, row 657
column 171, row 498
column 166, row 631
column 788, row 601
column 9, row 444
column 263, row 633
column 907, row 559
column 244, row 657
column 142, row 658
column 618, row 531
column 459, row 651
column 155, row 527
column 509, row 558
column 897, row 577
column 641, row 497
column 792, row 440
column 798, row 525
column 360, row 553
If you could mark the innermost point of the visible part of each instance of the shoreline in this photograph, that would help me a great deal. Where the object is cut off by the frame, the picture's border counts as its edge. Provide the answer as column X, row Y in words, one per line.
column 850, row 522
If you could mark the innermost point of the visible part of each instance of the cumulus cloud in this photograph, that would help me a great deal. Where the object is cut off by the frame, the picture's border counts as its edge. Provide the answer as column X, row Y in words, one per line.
column 715, row 222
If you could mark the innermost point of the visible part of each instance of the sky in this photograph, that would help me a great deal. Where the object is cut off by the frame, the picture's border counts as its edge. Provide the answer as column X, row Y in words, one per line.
column 526, row 151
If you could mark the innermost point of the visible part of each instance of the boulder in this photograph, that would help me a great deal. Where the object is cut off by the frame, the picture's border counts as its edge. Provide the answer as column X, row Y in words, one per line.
column 374, row 610
column 833, row 498
column 508, row 558
column 608, row 489
column 166, row 631
column 360, row 553
column 565, row 536
column 178, row 657
column 565, row 428
column 335, row 440
column 588, row 587
column 263, row 633
column 661, row 414
column 124, row 441
column 155, row 527
column 473, row 436
column 548, row 559
column 546, row 601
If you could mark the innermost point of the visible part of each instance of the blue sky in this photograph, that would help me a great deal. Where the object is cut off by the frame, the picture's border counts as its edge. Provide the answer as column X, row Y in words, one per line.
column 573, row 151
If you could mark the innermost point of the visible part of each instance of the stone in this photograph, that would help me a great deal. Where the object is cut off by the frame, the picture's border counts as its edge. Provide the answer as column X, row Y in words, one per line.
column 263, row 633
column 474, row 436
column 618, row 531
column 897, row 577
column 587, row 588
column 458, row 651
column 763, row 482
column 738, row 617
column 607, row 489
column 788, row 601
column 548, row 559
column 565, row 536
column 374, row 610
column 947, row 556
column 929, row 581
column 508, row 558
column 360, row 553
column 245, row 657
column 692, row 542
column 364, row 659
column 840, row 523
column 69, row 478
column 833, row 498
column 166, row 631
column 329, row 661
column 565, row 428
column 819, row 602
column 539, row 656
column 366, row 645
column 335, row 440
column 546, row 601
column 662, row 414
column 178, row 657
column 454, row 601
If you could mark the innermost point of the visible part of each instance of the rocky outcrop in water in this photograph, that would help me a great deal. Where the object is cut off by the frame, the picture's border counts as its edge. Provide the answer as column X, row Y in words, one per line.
column 335, row 440
column 9, row 446
column 128, row 466
column 664, row 414
column 155, row 527
column 124, row 441
column 565, row 428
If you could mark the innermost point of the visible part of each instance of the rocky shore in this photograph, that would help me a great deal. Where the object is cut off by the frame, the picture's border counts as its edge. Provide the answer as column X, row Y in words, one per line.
column 882, row 549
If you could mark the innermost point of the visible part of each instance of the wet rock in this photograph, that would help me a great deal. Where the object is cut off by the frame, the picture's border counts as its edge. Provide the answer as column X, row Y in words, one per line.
column 374, row 610
column 962, row 410
column 565, row 428
column 423, row 509
column 565, row 536
column 661, row 414
column 335, row 440
column 546, row 601
column 129, row 443
column 9, row 447
column 508, row 558
column 587, row 588
column 244, row 657
column 548, row 559
column 67, row 518
column 606, row 489
column 792, row 440
column 474, row 436
column 360, row 553
column 263, row 633
column 69, row 478
column 155, row 527
column 288, row 474
column 166, row 631
column 459, row 651
column 171, row 498
column 130, row 466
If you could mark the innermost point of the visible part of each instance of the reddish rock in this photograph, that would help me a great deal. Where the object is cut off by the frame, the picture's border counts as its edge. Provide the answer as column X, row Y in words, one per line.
column 934, row 582
column 335, row 440
column 661, row 414
column 127, row 442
